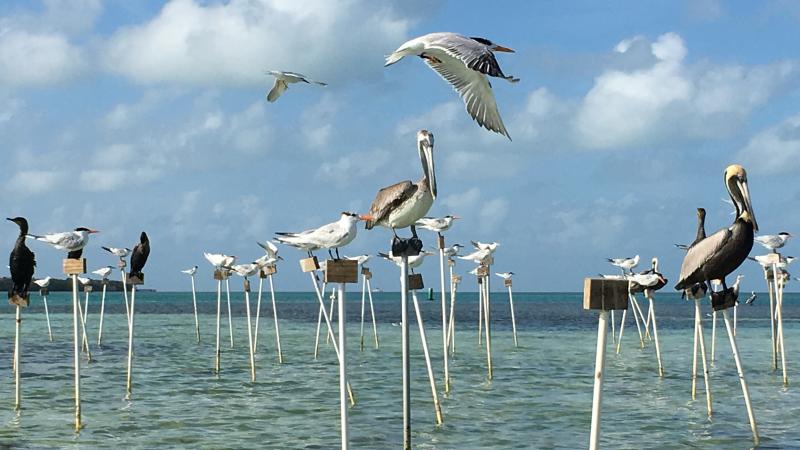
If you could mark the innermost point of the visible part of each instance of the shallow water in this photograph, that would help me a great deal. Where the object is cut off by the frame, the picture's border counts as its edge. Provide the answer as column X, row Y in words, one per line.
column 540, row 396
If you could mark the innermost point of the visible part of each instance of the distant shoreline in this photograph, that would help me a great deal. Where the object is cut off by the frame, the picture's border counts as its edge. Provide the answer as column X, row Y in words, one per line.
column 65, row 285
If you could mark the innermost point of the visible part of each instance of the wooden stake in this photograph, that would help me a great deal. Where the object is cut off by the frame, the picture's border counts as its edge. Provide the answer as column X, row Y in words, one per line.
column 745, row 392
column 230, row 317
column 249, row 331
column 343, row 368
column 102, row 313
column 47, row 316
column 130, row 342
column 258, row 311
column 599, row 369
column 76, row 351
column 404, row 343
column 513, row 320
column 194, row 306
column 275, row 317
column 217, row 353
column 444, row 316
column 652, row 313
column 363, row 308
column 17, row 384
column 778, row 310
column 698, row 321
column 772, row 324
column 487, row 317
column 84, row 340
column 436, row 406
column 372, row 314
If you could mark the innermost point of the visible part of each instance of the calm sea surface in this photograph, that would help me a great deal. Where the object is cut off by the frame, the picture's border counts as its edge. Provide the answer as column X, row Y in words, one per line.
column 540, row 396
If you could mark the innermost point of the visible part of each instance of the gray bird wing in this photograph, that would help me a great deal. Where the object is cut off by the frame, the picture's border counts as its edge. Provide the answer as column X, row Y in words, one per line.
column 278, row 88
column 701, row 252
column 388, row 198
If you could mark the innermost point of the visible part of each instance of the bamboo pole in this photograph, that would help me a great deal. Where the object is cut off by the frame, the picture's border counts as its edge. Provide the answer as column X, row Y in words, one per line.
column 217, row 353
column 652, row 313
column 698, row 319
column 17, row 383
column 343, row 369
column 194, row 306
column 599, row 369
column 249, row 330
column 230, row 317
column 745, row 391
column 404, row 343
column 47, row 316
column 422, row 336
column 778, row 309
column 130, row 342
column 102, row 312
column 513, row 320
column 275, row 317
column 372, row 313
column 76, row 351
column 444, row 316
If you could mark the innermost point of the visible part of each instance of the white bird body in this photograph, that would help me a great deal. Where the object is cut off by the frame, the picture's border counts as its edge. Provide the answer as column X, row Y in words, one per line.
column 284, row 79
column 464, row 63
column 452, row 250
column 329, row 236
column 266, row 260
column 43, row 283
column 766, row 261
column 625, row 263
column 361, row 259
column 413, row 261
column 84, row 280
column 474, row 271
column 436, row 224
column 505, row 275
column 478, row 256
column 645, row 279
column 69, row 241
column 191, row 271
column 246, row 270
column 104, row 272
column 491, row 246
column 270, row 248
column 773, row 241
column 119, row 252
column 220, row 260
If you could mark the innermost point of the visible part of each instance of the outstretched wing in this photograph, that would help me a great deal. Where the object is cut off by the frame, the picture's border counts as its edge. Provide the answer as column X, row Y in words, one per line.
column 277, row 89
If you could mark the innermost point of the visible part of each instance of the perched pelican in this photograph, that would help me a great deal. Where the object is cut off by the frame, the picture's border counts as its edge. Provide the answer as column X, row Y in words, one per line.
column 505, row 275
column 413, row 261
column 103, row 272
column 625, row 263
column 118, row 252
column 701, row 230
column 403, row 204
column 773, row 242
column 71, row 241
column 716, row 256
column 43, row 282
column 21, row 262
column 283, row 80
column 329, row 236
column 139, row 255
column 436, row 224
column 463, row 62
column 191, row 271
column 219, row 260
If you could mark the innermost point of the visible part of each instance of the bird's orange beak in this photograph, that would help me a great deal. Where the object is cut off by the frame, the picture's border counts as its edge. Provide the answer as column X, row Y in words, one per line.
column 365, row 217
column 500, row 48
column 456, row 217
column 93, row 231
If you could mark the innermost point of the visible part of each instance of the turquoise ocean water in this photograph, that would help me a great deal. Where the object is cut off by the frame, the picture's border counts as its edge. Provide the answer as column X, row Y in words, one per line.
column 540, row 396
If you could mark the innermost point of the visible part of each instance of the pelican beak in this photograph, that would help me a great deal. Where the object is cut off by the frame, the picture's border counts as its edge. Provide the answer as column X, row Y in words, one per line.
column 426, row 153
column 500, row 48
column 747, row 206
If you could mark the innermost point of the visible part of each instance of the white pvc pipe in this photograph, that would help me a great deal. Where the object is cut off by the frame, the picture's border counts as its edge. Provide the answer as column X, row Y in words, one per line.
column 230, row 317
column 487, row 317
column 513, row 320
column 102, row 313
column 778, row 309
column 652, row 313
column 363, row 307
column 772, row 324
column 130, row 342
column 275, row 317
column 47, row 316
column 258, row 312
column 714, row 336
column 404, row 344
column 85, row 316
column 250, row 332
column 324, row 312
column 84, row 339
column 444, row 317
column 76, row 352
column 706, row 373
column 17, row 384
column 451, row 326
column 372, row 313
column 694, row 359
column 599, row 369
column 422, row 336
column 613, row 328
column 480, row 312
column 745, row 392
column 343, row 369
column 331, row 311
column 621, row 327
column 125, row 293
column 219, row 315
column 637, row 314
column 194, row 305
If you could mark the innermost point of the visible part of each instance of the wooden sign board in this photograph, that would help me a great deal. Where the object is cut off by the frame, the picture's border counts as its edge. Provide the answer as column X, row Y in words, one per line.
column 605, row 294
column 489, row 260
column 507, row 282
column 722, row 300
column 247, row 285
column 367, row 274
column 87, row 288
column 441, row 242
column 309, row 264
column 483, row 271
column 451, row 262
column 74, row 266
column 415, row 282
column 18, row 300
column 457, row 279
column 122, row 264
column 341, row 271
column 268, row 270
column 136, row 279
column 44, row 292
column 221, row 275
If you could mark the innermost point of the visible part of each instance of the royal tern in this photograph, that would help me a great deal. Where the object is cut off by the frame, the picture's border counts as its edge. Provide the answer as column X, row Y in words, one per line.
column 329, row 236
column 403, row 204
column 765, row 261
column 478, row 256
column 103, row 272
column 719, row 254
column 219, row 260
column 504, row 275
column 436, row 224
column 72, row 242
column 773, row 241
column 139, row 256
column 625, row 263
column 118, row 252
column 21, row 262
column 413, row 261
column 283, row 80
column 452, row 250
column 464, row 63
column 43, row 283
column 191, row 271
column 246, row 270
column 270, row 248
column 491, row 246
column 360, row 259
column 84, row 281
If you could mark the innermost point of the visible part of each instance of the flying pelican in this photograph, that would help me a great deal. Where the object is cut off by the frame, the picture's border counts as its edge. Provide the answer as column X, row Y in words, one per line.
column 71, row 241
column 118, row 252
column 103, row 272
column 716, row 256
column 463, row 62
column 625, row 263
column 139, row 256
column 21, row 262
column 329, row 236
column 701, row 230
column 437, row 224
column 505, row 275
column 773, row 242
column 413, row 261
column 283, row 80
column 403, row 204
column 219, row 260
column 191, row 271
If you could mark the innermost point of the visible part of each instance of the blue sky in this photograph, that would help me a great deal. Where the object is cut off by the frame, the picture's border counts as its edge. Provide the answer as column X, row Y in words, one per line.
column 129, row 116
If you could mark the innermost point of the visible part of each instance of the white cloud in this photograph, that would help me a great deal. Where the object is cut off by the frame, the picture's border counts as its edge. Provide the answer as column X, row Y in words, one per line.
column 235, row 42
column 31, row 182
column 775, row 150
column 354, row 167
column 37, row 58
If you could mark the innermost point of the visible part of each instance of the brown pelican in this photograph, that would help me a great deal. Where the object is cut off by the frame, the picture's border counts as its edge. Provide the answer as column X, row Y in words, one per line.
column 716, row 256
column 283, row 80
column 463, row 62
column 401, row 205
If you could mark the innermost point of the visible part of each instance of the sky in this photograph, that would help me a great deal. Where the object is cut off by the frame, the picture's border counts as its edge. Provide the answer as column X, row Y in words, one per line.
column 151, row 115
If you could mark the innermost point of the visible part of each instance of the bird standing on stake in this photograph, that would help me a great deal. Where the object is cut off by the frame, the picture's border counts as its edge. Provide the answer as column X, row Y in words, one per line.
column 71, row 241
column 138, row 260
column 773, row 242
column 191, row 273
column 21, row 263
column 330, row 236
